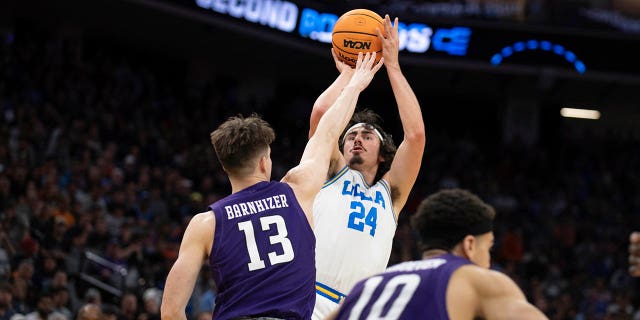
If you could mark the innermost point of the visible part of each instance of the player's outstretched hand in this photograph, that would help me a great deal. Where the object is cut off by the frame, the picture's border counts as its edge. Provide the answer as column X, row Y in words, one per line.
column 390, row 41
column 366, row 68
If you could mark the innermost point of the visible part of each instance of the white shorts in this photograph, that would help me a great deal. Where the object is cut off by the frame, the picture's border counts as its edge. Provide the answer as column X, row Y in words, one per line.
column 323, row 307
column 327, row 301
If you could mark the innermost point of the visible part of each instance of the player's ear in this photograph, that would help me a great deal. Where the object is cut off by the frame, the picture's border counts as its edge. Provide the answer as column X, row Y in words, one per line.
column 262, row 164
column 469, row 246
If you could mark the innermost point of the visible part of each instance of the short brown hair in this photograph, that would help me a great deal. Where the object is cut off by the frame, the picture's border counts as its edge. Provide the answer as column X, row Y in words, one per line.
column 239, row 141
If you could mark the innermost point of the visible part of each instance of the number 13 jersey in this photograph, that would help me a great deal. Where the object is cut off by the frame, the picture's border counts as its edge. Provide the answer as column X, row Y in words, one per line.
column 354, row 226
column 262, row 258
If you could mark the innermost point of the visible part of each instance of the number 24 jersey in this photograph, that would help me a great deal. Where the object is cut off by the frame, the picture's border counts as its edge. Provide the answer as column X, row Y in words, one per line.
column 354, row 228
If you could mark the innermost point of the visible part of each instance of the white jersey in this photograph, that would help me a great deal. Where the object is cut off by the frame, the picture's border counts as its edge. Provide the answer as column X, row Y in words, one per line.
column 354, row 224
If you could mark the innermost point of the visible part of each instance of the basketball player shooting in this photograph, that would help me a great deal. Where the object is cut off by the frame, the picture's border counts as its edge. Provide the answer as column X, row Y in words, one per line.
column 259, row 240
column 368, row 184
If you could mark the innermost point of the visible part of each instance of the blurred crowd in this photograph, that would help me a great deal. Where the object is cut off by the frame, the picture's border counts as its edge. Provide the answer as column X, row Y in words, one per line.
column 105, row 156
column 570, row 13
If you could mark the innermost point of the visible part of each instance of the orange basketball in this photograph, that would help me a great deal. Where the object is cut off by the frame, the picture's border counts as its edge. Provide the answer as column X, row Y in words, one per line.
column 355, row 31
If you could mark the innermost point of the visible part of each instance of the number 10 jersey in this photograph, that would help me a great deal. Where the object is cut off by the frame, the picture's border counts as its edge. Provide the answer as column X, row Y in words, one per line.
column 262, row 258
column 354, row 224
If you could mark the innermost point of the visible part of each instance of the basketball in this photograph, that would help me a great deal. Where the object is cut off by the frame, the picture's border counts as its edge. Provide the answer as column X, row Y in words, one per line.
column 355, row 31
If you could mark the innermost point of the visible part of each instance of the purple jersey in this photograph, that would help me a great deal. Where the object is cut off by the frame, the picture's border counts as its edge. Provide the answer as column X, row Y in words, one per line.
column 263, row 255
column 409, row 290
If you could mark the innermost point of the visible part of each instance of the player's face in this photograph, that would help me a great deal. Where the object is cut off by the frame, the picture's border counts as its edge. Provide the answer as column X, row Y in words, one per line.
column 482, row 256
column 361, row 147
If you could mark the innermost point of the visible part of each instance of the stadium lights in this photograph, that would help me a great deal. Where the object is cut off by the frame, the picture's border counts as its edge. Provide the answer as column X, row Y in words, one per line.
column 580, row 113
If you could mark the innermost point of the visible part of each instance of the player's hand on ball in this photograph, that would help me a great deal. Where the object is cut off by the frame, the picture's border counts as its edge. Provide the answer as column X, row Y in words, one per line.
column 341, row 66
column 366, row 68
column 390, row 41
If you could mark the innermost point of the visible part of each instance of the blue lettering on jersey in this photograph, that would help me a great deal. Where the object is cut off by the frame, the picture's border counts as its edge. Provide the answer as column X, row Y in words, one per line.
column 358, row 219
column 349, row 190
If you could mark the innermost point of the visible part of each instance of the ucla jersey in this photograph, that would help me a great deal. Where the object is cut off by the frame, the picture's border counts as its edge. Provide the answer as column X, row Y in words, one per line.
column 409, row 290
column 354, row 224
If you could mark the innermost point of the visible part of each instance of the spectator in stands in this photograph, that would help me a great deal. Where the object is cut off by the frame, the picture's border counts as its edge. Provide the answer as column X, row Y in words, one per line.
column 6, row 301
column 61, row 302
column 90, row 311
column 44, row 309
column 151, row 299
column 129, row 307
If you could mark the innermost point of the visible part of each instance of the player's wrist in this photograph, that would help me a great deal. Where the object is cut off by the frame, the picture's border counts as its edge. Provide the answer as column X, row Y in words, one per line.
column 392, row 67
column 347, row 72
column 351, row 87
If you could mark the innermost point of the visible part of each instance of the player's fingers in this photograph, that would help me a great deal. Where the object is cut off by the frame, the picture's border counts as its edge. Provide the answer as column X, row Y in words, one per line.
column 387, row 24
column 378, row 65
column 634, row 237
column 359, row 61
column 380, row 34
column 368, row 58
column 395, row 24
column 372, row 58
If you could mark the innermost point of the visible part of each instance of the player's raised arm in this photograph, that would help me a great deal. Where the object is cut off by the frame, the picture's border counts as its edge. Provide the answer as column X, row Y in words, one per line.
column 408, row 159
column 307, row 178
column 329, row 96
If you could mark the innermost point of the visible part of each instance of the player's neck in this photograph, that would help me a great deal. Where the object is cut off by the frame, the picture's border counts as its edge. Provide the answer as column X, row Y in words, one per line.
column 432, row 253
column 241, row 183
column 368, row 174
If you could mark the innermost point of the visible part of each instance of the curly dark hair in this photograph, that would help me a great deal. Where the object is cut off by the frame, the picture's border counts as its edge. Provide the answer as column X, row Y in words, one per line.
column 239, row 141
column 444, row 218
column 387, row 147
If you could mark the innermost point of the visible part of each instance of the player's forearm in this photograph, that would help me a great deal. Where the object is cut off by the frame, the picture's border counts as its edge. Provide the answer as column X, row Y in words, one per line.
column 173, row 316
column 327, row 99
column 340, row 113
column 408, row 106
column 170, row 311
column 329, row 96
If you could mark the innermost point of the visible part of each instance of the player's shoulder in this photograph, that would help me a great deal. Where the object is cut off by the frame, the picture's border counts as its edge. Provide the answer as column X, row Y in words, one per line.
column 205, row 217
column 485, row 281
column 295, row 176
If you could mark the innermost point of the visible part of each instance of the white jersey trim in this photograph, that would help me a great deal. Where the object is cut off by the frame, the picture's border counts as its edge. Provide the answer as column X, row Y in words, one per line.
column 336, row 177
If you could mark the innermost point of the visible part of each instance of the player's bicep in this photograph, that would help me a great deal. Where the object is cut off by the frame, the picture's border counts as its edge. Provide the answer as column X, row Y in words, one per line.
column 184, row 272
column 316, row 115
column 404, row 170
column 501, row 298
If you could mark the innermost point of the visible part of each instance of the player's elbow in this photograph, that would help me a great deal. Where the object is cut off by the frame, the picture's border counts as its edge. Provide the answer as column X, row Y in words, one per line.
column 316, row 115
column 416, row 137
